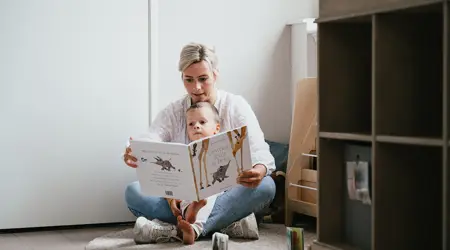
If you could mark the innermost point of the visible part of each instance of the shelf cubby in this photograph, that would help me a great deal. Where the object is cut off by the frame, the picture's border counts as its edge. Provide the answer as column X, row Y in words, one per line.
column 408, row 72
column 344, row 62
column 342, row 222
column 408, row 197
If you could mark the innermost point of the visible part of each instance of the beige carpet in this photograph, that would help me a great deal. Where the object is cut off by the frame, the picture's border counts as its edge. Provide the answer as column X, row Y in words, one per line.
column 272, row 236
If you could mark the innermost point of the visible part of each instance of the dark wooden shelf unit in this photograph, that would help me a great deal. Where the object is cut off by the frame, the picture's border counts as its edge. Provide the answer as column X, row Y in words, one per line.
column 383, row 92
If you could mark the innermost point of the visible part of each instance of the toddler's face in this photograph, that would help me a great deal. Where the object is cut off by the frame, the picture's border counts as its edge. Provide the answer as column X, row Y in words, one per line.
column 200, row 123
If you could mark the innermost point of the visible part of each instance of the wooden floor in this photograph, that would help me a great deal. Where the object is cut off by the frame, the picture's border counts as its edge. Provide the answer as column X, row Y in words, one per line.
column 54, row 239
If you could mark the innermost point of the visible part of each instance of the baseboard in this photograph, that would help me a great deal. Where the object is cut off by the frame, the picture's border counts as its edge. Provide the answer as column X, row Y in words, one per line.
column 55, row 228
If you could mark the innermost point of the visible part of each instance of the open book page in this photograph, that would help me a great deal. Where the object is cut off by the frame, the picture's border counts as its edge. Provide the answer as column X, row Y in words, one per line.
column 218, row 160
column 164, row 169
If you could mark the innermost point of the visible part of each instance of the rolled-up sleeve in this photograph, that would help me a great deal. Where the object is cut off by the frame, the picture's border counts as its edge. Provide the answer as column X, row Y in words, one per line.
column 243, row 115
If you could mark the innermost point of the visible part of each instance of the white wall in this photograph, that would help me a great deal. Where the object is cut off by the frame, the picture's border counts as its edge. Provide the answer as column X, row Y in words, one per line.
column 73, row 87
column 303, row 52
column 253, row 44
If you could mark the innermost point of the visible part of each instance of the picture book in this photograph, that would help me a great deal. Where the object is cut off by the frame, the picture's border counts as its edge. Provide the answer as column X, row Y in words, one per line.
column 192, row 171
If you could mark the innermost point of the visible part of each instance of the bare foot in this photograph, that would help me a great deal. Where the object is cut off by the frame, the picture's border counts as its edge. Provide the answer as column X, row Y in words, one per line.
column 192, row 210
column 188, row 231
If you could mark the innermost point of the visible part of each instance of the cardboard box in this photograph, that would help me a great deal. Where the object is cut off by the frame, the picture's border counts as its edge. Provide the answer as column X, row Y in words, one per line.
column 303, row 141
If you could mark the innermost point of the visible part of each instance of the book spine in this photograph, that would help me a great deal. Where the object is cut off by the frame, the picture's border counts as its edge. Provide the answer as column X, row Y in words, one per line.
column 193, row 173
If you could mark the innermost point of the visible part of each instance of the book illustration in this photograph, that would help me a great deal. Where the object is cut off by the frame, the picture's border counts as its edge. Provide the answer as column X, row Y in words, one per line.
column 202, row 159
column 191, row 155
column 166, row 165
column 194, row 149
column 221, row 173
column 237, row 146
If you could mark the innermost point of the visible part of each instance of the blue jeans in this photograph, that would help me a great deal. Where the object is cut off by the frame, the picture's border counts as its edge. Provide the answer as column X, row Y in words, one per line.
column 231, row 206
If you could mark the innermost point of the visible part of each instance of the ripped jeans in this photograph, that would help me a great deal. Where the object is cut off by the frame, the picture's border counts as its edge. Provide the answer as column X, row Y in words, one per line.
column 231, row 206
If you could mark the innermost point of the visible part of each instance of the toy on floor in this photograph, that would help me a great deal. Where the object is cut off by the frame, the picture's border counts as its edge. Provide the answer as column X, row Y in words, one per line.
column 219, row 241
column 295, row 240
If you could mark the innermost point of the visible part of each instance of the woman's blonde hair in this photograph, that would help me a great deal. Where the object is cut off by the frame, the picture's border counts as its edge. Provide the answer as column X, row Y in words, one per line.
column 197, row 52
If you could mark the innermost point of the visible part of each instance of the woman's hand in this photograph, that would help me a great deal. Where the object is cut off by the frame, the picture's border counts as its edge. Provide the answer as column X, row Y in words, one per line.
column 174, row 205
column 128, row 158
column 252, row 177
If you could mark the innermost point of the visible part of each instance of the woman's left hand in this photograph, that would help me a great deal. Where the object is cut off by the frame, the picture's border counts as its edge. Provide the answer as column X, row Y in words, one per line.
column 252, row 177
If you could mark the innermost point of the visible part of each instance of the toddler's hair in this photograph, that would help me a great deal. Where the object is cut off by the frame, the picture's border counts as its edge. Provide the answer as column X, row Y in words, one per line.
column 198, row 105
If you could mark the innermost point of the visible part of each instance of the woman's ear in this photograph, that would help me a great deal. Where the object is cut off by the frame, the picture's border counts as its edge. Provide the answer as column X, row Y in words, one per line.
column 217, row 127
column 215, row 74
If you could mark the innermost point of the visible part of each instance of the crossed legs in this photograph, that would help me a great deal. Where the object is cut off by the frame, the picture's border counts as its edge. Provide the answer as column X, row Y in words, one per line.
column 229, row 207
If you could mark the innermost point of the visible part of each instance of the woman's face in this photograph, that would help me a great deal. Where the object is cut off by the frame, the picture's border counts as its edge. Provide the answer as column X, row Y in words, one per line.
column 199, row 82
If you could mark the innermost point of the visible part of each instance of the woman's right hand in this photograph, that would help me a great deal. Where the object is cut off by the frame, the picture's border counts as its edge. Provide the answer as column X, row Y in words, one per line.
column 128, row 158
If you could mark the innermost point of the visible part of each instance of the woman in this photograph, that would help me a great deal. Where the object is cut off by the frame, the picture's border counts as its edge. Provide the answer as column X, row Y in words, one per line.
column 198, row 67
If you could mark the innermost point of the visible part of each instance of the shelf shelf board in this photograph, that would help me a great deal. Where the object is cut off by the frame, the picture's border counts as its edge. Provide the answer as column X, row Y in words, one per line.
column 353, row 14
column 346, row 136
column 317, row 245
column 421, row 141
column 303, row 207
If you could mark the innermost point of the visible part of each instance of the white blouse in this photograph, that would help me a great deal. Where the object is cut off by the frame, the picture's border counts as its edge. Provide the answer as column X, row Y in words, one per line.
column 234, row 111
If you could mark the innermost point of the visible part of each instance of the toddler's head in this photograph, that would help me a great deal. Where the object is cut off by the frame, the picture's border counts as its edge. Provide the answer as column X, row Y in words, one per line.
column 202, row 120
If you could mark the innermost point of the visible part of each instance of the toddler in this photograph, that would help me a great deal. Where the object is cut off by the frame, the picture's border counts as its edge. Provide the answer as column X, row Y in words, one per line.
column 202, row 120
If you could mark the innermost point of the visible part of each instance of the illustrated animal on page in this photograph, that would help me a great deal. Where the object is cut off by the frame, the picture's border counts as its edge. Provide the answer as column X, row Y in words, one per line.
column 165, row 164
column 194, row 149
column 221, row 173
column 202, row 162
column 237, row 146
